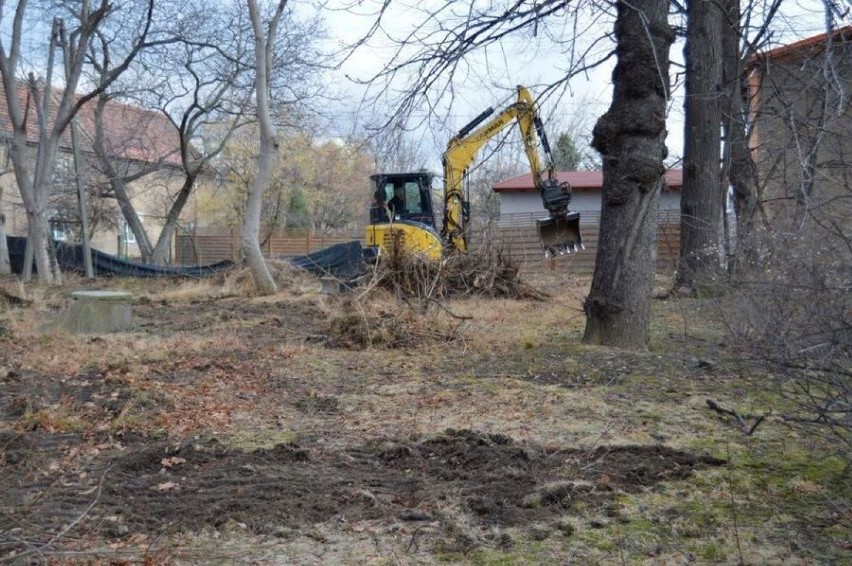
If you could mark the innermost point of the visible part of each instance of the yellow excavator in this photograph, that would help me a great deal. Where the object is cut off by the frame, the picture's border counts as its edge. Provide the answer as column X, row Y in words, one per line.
column 402, row 210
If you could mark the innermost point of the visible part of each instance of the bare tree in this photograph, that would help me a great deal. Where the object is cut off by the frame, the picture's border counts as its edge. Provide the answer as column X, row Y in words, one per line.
column 717, row 53
column 738, row 111
column 631, row 139
column 214, row 84
column 213, row 98
column 434, row 56
column 265, row 34
column 204, row 88
column 35, row 179
column 179, row 79
column 121, row 173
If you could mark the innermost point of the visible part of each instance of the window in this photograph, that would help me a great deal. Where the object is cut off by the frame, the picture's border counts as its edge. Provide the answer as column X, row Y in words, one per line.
column 59, row 231
column 412, row 198
column 408, row 193
column 4, row 156
column 62, row 170
column 127, row 235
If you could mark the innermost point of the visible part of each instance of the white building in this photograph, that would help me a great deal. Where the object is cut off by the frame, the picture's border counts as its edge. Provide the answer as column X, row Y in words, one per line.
column 519, row 195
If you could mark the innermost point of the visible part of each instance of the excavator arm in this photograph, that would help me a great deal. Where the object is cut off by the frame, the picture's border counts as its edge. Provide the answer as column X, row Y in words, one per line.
column 560, row 232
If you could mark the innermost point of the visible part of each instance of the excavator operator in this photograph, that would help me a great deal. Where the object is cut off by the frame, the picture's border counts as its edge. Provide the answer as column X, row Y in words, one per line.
column 397, row 203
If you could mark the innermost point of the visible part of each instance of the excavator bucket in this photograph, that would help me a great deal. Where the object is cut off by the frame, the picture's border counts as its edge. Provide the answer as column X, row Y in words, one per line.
column 560, row 235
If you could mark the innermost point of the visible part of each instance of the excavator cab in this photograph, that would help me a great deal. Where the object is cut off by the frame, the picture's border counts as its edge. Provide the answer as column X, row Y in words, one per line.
column 402, row 213
column 401, row 197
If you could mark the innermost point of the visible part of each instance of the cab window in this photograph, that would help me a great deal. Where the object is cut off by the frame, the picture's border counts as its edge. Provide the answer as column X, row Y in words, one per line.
column 412, row 198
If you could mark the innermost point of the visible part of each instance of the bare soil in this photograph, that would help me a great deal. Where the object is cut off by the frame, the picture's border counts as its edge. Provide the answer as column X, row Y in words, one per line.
column 223, row 417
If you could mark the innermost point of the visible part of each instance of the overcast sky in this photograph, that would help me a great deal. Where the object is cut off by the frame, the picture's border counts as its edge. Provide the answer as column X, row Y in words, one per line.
column 489, row 77
column 527, row 60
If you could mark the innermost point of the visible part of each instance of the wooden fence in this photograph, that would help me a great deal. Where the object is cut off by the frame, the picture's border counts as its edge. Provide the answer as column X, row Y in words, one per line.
column 514, row 234
column 519, row 241
column 210, row 245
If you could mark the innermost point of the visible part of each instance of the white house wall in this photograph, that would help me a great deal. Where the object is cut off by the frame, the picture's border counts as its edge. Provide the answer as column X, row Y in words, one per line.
column 582, row 201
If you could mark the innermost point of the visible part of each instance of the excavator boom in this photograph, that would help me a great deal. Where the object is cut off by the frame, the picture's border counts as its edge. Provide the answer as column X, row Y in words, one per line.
column 559, row 233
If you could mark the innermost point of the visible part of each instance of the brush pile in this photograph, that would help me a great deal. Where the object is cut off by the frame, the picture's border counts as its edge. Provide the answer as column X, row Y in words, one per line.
column 379, row 319
column 485, row 272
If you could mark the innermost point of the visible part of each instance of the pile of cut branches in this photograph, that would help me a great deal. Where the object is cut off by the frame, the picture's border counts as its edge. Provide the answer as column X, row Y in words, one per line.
column 484, row 272
column 393, row 307
column 379, row 319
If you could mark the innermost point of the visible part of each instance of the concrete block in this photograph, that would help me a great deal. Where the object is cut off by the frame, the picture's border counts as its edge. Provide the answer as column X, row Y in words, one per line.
column 330, row 286
column 98, row 312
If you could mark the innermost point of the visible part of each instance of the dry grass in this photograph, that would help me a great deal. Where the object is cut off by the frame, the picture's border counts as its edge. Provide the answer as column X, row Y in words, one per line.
column 265, row 375
column 288, row 278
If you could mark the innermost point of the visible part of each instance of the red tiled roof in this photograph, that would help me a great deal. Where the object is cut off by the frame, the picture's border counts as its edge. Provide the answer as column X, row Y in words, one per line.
column 579, row 181
column 131, row 132
column 801, row 48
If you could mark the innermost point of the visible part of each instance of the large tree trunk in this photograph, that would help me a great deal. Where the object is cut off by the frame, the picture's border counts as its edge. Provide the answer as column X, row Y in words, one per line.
column 251, row 229
column 34, row 194
column 702, row 201
column 38, row 230
column 631, row 139
column 128, row 212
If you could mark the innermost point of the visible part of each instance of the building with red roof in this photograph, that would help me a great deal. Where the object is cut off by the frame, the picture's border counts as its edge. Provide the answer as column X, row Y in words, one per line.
column 135, row 138
column 518, row 195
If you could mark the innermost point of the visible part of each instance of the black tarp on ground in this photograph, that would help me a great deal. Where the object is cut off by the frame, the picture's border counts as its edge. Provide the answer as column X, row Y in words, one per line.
column 70, row 258
column 343, row 261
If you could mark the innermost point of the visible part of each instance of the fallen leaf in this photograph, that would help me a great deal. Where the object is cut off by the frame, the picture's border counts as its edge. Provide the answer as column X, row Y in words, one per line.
column 173, row 461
